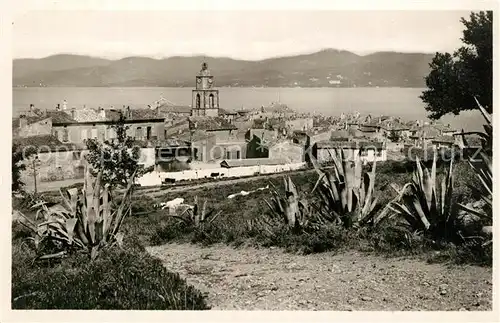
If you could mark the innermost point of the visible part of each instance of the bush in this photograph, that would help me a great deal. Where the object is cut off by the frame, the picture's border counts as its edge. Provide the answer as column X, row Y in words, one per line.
column 126, row 279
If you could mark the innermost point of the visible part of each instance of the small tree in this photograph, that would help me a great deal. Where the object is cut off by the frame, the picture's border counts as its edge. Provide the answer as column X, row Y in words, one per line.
column 456, row 78
column 18, row 156
column 117, row 157
column 394, row 136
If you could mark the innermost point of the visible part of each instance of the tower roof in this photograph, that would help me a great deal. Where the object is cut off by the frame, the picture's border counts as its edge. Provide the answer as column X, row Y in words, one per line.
column 204, row 70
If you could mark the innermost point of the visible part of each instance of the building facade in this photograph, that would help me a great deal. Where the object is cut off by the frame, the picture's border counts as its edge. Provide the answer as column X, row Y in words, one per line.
column 205, row 98
column 365, row 151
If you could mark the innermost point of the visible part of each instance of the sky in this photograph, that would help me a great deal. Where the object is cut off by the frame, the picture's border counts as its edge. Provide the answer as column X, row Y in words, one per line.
column 250, row 35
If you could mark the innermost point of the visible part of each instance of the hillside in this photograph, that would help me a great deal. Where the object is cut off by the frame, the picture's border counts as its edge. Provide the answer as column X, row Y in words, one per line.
column 324, row 68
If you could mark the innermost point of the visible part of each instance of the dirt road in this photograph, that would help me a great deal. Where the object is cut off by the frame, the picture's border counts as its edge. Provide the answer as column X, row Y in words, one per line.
column 268, row 279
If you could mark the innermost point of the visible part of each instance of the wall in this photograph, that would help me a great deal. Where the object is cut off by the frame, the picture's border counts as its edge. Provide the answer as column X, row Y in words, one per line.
column 42, row 127
column 394, row 146
column 79, row 132
column 225, row 135
column 147, row 157
column 320, row 137
column 300, row 124
column 365, row 155
column 62, row 165
column 156, row 178
column 204, row 98
column 55, row 166
column 294, row 153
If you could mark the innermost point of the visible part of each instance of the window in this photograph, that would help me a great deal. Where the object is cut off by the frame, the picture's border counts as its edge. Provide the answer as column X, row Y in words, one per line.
column 238, row 154
column 148, row 133
column 211, row 101
column 138, row 133
column 112, row 133
column 85, row 134
column 228, row 154
column 65, row 135
column 364, row 152
column 94, row 133
column 198, row 101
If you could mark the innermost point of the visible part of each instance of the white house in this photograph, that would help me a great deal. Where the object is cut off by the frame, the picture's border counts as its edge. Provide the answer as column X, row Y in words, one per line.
column 367, row 151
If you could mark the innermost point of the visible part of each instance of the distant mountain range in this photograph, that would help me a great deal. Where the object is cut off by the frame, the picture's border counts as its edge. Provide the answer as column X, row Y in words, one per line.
column 326, row 68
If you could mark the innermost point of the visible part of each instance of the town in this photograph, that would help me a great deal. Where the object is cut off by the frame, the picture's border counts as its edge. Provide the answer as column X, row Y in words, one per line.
column 205, row 140
column 229, row 160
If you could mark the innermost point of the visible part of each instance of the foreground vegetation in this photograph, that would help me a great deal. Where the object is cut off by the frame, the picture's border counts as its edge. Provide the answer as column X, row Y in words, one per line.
column 74, row 255
column 120, row 278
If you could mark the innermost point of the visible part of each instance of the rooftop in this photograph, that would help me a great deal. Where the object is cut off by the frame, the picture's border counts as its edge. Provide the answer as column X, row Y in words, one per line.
column 168, row 108
column 444, row 139
column 350, row 144
column 44, row 143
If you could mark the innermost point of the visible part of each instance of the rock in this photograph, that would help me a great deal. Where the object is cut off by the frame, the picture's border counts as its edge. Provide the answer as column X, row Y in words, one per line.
column 462, row 309
column 443, row 292
column 274, row 288
column 478, row 303
column 366, row 298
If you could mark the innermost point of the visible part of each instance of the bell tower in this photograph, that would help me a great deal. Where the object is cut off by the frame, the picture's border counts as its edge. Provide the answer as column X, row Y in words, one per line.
column 205, row 99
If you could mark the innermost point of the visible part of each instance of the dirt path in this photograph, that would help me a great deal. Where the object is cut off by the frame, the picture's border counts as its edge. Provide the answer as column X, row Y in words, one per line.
column 268, row 279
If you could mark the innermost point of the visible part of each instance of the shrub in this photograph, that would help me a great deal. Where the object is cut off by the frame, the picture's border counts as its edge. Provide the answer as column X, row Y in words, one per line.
column 84, row 221
column 127, row 279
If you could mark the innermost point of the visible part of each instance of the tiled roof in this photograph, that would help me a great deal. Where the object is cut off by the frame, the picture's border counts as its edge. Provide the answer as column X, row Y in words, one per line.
column 196, row 136
column 143, row 114
column 224, row 112
column 373, row 123
column 87, row 115
column 60, row 117
column 350, row 144
column 447, row 139
column 340, row 134
column 43, row 142
column 167, row 108
column 277, row 107
column 211, row 123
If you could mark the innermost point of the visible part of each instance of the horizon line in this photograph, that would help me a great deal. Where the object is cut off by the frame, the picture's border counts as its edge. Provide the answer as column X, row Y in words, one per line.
column 117, row 58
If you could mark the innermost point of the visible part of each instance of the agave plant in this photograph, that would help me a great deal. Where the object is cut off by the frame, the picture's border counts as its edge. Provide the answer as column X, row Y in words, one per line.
column 483, row 169
column 425, row 209
column 197, row 215
column 288, row 209
column 84, row 221
column 346, row 194
column 487, row 135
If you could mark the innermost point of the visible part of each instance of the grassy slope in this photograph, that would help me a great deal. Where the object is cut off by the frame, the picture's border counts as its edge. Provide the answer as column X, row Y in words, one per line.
column 236, row 224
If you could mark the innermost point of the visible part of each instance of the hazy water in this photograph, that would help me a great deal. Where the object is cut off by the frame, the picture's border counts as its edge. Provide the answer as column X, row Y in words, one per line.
column 402, row 102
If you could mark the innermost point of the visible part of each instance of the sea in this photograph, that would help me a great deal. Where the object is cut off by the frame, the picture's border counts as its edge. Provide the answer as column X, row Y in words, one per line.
column 402, row 102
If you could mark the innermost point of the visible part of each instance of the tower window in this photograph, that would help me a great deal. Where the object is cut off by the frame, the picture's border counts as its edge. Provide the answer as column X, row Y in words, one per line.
column 211, row 100
column 198, row 101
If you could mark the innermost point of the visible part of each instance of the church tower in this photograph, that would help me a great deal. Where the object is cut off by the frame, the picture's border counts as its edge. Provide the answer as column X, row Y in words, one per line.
column 205, row 99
